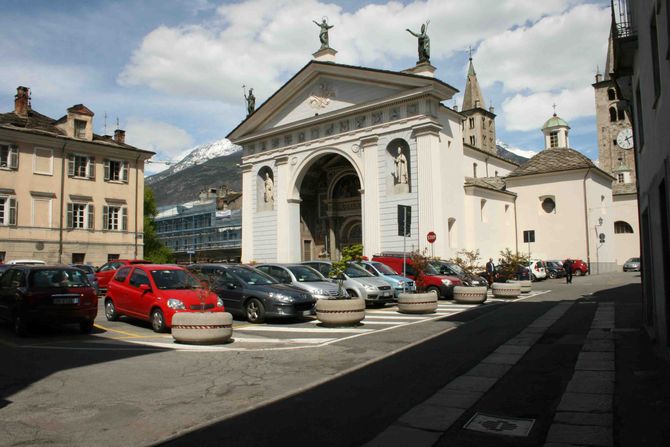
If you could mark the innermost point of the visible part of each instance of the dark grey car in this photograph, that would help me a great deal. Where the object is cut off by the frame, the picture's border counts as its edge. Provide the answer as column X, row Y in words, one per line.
column 250, row 293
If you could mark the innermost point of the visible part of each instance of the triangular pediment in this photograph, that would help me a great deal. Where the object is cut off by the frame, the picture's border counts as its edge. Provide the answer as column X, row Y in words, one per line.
column 322, row 88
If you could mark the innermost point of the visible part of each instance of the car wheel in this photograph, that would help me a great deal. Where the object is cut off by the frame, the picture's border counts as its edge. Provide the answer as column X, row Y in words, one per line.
column 552, row 275
column 255, row 311
column 352, row 293
column 578, row 272
column 110, row 310
column 158, row 321
column 86, row 327
column 434, row 289
column 533, row 278
column 20, row 326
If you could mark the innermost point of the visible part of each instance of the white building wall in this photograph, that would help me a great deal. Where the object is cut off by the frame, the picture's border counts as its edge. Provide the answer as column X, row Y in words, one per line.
column 494, row 231
column 599, row 201
column 624, row 208
column 487, row 166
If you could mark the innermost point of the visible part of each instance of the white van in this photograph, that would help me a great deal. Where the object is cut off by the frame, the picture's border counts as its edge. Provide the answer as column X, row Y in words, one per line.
column 26, row 262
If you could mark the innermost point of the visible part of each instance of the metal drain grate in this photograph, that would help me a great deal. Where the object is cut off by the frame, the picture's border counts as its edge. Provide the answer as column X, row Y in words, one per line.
column 499, row 425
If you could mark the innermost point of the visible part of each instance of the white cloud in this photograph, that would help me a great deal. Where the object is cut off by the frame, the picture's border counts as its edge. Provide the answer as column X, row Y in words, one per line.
column 529, row 112
column 261, row 42
column 165, row 139
column 557, row 52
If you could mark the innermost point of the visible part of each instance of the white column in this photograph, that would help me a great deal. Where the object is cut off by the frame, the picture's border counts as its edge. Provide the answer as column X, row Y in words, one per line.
column 370, row 196
column 248, row 194
column 429, row 185
column 288, row 224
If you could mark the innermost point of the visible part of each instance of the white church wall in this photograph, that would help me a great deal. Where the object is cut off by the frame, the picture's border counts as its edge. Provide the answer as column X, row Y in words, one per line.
column 264, row 226
column 491, row 222
column 599, row 201
column 559, row 234
column 487, row 166
column 627, row 245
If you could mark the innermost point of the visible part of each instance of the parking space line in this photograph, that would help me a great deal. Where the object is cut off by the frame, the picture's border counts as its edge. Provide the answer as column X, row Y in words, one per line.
column 304, row 329
column 116, row 330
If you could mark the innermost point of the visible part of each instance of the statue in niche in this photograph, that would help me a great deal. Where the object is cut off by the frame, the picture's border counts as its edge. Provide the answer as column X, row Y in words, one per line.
column 251, row 101
column 401, row 175
column 268, row 193
column 323, row 34
column 423, row 41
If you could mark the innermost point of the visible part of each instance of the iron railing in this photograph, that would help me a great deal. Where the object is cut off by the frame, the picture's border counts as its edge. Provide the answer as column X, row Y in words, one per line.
column 622, row 21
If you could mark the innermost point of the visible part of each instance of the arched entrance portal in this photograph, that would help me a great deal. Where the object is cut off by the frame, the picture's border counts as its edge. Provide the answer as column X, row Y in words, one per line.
column 330, row 208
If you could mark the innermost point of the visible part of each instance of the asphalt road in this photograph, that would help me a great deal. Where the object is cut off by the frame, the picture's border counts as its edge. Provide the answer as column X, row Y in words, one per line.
column 124, row 386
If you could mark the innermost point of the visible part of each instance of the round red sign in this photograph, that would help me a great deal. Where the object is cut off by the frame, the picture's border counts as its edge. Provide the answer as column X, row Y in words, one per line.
column 431, row 237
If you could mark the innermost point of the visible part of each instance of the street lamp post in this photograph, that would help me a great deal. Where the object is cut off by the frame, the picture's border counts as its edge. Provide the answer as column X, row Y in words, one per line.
column 599, row 243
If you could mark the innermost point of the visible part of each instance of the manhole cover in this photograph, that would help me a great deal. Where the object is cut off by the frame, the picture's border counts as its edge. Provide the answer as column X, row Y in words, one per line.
column 499, row 425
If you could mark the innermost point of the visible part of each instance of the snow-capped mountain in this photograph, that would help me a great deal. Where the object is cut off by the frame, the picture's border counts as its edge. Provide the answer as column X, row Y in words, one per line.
column 196, row 156
column 523, row 153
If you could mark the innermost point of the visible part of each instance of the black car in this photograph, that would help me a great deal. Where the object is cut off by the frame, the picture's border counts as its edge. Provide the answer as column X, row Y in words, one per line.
column 467, row 278
column 250, row 293
column 554, row 269
column 47, row 295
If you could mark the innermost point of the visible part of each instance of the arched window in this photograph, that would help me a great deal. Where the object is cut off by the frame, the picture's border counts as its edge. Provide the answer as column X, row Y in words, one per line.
column 621, row 227
column 612, row 114
column 611, row 94
column 482, row 209
column 474, row 170
column 452, row 232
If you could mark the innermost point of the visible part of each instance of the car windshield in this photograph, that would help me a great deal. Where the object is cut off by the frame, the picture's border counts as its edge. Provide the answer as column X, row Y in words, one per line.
column 47, row 278
column 430, row 270
column 355, row 271
column 634, row 260
column 305, row 274
column 86, row 268
column 384, row 269
column 174, row 279
column 252, row 276
column 456, row 268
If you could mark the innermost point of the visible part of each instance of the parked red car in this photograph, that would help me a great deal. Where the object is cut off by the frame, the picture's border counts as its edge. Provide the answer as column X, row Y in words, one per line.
column 442, row 284
column 155, row 293
column 107, row 271
column 47, row 294
column 579, row 267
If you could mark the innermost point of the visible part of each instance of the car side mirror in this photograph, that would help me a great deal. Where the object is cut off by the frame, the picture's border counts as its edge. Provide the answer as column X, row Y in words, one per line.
column 145, row 288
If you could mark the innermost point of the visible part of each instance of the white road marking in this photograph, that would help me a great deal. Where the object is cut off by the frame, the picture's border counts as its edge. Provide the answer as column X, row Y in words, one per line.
column 302, row 329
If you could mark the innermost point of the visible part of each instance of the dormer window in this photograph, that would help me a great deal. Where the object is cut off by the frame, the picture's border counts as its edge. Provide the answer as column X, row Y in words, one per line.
column 553, row 139
column 79, row 128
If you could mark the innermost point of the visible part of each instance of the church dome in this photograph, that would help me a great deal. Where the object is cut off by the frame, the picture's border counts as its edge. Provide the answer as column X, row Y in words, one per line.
column 555, row 121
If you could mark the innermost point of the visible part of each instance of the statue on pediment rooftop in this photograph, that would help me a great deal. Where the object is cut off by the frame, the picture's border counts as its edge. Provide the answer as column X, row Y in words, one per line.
column 423, row 41
column 323, row 34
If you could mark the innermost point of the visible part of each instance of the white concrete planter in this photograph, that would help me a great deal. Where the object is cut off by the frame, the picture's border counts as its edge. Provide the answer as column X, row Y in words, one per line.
column 417, row 303
column 526, row 286
column 506, row 290
column 202, row 328
column 340, row 312
column 470, row 295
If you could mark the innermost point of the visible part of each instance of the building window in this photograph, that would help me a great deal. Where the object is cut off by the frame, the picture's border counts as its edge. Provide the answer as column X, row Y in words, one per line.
column 655, row 58
column 81, row 166
column 473, row 141
column 621, row 227
column 620, row 114
column 612, row 114
column 9, row 156
column 79, row 129
column 482, row 209
column 472, row 123
column 115, row 218
column 8, row 208
column 474, row 170
column 639, row 131
column 611, row 94
column 549, row 205
column 43, row 161
column 116, row 171
column 80, row 215
column 452, row 232
column 553, row 139
column 620, row 178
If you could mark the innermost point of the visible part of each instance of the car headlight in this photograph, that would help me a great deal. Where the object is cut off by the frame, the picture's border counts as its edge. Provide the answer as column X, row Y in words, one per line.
column 369, row 288
column 174, row 303
column 281, row 297
column 219, row 302
column 446, row 282
column 401, row 284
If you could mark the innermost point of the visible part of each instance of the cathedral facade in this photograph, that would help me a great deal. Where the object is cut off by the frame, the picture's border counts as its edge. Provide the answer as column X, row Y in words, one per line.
column 337, row 153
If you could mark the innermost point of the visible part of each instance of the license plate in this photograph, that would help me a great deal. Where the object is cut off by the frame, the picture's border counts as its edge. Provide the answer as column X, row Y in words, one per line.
column 66, row 300
column 306, row 313
column 385, row 294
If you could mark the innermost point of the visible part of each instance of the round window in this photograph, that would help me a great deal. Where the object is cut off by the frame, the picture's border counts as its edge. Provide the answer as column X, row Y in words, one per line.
column 548, row 205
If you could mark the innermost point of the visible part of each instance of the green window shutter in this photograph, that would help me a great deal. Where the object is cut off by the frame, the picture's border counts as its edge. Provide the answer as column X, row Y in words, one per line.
column 70, row 215
column 124, row 219
column 91, row 168
column 106, row 170
column 91, row 217
column 105, row 218
column 13, row 209
column 124, row 174
column 14, row 156
column 70, row 165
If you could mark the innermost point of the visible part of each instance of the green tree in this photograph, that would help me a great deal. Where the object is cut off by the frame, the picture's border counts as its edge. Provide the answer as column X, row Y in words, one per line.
column 509, row 262
column 154, row 249
column 351, row 253
column 468, row 260
column 419, row 261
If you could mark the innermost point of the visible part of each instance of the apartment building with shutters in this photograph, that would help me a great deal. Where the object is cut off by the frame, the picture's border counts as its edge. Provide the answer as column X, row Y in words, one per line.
column 68, row 195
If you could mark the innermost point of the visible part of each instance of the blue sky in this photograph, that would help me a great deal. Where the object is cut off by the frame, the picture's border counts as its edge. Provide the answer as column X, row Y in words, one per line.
column 172, row 70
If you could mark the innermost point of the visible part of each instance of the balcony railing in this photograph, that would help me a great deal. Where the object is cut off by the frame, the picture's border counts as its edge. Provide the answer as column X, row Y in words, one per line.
column 622, row 22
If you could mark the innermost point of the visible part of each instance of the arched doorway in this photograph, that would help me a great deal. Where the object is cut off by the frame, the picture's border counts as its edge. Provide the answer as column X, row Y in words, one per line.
column 330, row 207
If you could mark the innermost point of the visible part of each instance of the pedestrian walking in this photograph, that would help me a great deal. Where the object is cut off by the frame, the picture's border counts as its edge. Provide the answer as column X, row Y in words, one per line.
column 490, row 271
column 567, row 265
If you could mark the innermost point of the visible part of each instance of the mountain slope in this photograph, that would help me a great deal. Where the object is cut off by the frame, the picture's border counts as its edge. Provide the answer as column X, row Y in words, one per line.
column 504, row 153
column 185, row 184
column 196, row 156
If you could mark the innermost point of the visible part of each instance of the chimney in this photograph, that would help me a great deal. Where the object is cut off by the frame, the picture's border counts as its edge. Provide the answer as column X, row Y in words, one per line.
column 120, row 136
column 491, row 109
column 22, row 101
column 598, row 77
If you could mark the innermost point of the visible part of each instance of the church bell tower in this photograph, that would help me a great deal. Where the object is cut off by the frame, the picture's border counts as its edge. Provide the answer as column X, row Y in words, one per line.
column 479, row 126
